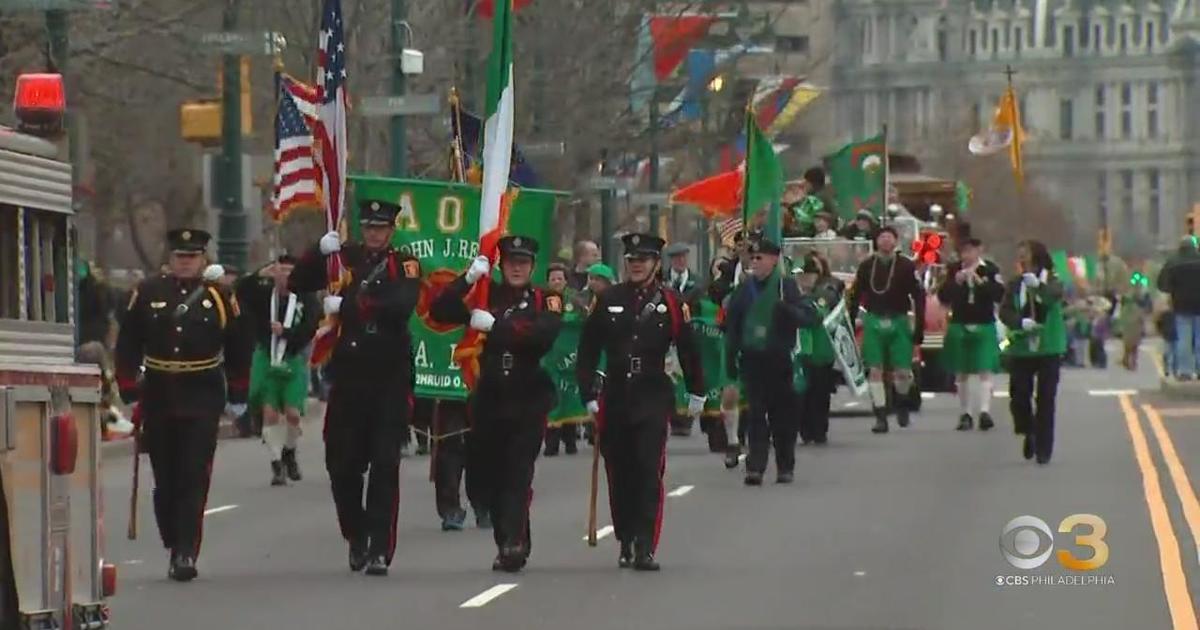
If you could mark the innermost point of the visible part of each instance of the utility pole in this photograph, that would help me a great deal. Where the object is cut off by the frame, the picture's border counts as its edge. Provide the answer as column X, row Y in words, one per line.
column 231, row 240
column 399, row 137
column 607, row 248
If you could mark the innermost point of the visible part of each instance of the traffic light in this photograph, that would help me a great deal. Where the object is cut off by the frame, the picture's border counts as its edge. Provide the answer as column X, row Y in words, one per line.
column 1139, row 279
column 927, row 248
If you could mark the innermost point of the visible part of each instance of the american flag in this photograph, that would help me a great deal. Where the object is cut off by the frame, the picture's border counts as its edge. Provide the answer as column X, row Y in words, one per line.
column 297, row 179
column 728, row 230
column 330, row 128
column 305, row 96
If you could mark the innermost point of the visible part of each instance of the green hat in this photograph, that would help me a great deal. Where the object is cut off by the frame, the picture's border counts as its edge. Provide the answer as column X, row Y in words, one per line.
column 604, row 271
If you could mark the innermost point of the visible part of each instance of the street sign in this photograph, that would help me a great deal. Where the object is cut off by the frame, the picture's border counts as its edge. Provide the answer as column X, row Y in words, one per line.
column 650, row 199
column 599, row 182
column 54, row 5
column 407, row 105
column 233, row 43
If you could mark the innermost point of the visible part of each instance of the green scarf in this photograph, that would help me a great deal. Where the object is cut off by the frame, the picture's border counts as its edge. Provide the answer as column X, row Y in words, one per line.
column 756, row 331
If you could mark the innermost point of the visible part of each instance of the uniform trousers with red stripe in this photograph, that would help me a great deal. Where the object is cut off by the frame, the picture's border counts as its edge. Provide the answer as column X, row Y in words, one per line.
column 364, row 424
column 181, row 454
column 505, row 442
column 633, row 440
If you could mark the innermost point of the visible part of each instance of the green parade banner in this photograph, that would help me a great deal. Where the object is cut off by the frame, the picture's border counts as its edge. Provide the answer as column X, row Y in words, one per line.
column 439, row 224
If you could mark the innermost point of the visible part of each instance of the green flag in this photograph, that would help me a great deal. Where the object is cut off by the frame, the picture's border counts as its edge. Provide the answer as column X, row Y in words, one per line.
column 1062, row 266
column 962, row 196
column 763, row 181
column 858, row 172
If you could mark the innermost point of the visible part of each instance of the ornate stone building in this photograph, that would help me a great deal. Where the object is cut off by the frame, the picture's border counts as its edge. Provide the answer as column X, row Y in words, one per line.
column 1109, row 96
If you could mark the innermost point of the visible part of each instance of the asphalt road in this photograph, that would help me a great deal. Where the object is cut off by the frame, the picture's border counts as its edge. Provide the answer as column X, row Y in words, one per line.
column 893, row 531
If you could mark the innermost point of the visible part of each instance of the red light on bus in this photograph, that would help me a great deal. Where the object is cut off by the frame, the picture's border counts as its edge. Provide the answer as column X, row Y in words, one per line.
column 40, row 101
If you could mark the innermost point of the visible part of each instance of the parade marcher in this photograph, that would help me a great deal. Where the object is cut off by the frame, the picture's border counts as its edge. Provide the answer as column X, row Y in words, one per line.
column 509, row 404
column 972, row 289
column 600, row 279
column 283, row 324
column 634, row 324
column 863, row 227
column 587, row 254
column 719, row 419
column 563, row 421
column 886, row 284
column 731, row 269
column 761, row 323
column 677, row 275
column 1032, row 309
column 371, row 378
column 186, row 332
column 447, row 423
column 816, row 347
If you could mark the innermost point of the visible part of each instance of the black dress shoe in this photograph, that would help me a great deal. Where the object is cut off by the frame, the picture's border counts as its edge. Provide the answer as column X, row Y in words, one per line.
column 731, row 458
column 785, row 477
column 985, row 421
column 278, row 477
column 551, row 451
column 291, row 465
column 358, row 556
column 644, row 561
column 377, row 565
column 754, row 479
column 881, row 422
column 964, row 422
column 625, row 560
column 571, row 448
column 1043, row 459
column 512, row 558
column 1027, row 447
column 902, row 415
column 183, row 568
column 821, row 440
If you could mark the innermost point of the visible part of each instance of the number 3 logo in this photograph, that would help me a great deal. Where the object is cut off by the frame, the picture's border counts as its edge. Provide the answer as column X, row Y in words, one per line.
column 1093, row 539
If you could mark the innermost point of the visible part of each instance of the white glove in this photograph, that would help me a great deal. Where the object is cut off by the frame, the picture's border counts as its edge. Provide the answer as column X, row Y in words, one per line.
column 330, row 243
column 478, row 269
column 1031, row 280
column 212, row 273
column 333, row 304
column 1028, row 324
column 593, row 408
column 695, row 405
column 482, row 320
column 236, row 410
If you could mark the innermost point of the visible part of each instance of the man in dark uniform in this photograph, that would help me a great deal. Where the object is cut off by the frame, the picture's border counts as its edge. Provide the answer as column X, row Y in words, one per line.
column 633, row 325
column 448, row 423
column 371, row 372
column 514, row 393
column 186, row 331
column 886, row 284
column 761, row 322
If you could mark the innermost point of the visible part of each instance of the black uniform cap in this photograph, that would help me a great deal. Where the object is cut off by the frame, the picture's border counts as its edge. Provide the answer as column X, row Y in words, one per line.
column 377, row 212
column 188, row 241
column 763, row 245
column 515, row 245
column 643, row 245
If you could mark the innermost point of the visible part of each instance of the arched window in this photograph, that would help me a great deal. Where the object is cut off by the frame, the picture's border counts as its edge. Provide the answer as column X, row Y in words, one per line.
column 1149, row 40
column 943, row 39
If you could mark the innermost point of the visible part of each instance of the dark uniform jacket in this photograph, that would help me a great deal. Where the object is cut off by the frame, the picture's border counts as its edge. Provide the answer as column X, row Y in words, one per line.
column 989, row 290
column 634, row 327
column 791, row 312
column 254, row 296
column 510, row 371
column 192, row 359
column 374, row 345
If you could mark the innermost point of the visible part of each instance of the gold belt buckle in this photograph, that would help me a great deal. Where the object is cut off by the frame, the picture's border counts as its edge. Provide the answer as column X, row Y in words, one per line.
column 635, row 365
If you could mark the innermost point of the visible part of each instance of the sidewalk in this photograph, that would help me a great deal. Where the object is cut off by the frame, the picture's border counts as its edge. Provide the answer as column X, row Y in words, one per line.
column 124, row 448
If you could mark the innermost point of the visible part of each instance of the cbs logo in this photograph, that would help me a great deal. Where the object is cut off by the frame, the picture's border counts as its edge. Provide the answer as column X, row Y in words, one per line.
column 1027, row 542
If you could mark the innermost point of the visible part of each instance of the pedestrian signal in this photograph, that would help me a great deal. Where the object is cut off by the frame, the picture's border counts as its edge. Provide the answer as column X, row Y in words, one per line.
column 1139, row 279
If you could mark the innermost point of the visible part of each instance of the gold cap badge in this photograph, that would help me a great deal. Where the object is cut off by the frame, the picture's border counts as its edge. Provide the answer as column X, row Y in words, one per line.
column 187, row 236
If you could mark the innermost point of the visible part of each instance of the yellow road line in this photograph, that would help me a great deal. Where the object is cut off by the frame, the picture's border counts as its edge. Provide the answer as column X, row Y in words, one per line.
column 1179, row 476
column 1179, row 412
column 1179, row 601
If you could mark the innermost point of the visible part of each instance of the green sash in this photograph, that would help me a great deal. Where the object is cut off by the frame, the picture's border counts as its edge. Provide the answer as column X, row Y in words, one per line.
column 756, row 330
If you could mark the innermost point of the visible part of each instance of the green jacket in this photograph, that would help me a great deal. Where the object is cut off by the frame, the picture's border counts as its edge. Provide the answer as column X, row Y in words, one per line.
column 816, row 348
column 1045, row 306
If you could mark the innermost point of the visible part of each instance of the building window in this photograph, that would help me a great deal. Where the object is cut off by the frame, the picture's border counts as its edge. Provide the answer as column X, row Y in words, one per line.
column 866, row 36
column 1153, row 202
column 1102, row 197
column 1097, row 38
column 972, row 41
column 1126, row 94
column 1083, row 33
column 1099, row 96
column 792, row 43
column 1149, row 36
column 1127, row 201
column 995, row 41
column 1066, row 119
column 943, row 39
column 1124, row 37
column 1068, row 41
column 1017, row 40
column 1126, row 111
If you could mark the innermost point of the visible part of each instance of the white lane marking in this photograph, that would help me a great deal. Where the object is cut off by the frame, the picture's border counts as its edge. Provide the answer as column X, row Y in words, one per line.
column 859, row 573
column 218, row 510
column 1112, row 392
column 132, row 562
column 999, row 394
column 852, row 404
column 680, row 491
column 607, row 530
column 483, row 598
column 927, row 395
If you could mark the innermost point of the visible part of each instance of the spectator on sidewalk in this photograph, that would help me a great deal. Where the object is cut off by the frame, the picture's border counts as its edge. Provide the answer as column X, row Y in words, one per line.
column 1180, row 278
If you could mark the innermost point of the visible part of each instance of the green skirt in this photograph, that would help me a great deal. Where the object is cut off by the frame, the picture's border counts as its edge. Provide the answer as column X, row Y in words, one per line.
column 280, row 387
column 971, row 349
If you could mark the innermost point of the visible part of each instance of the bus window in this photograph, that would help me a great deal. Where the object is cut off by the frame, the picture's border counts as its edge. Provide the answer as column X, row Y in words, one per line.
column 10, row 244
column 47, row 280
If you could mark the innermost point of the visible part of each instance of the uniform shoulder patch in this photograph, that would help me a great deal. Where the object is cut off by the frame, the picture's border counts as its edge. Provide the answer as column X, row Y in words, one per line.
column 412, row 269
column 554, row 304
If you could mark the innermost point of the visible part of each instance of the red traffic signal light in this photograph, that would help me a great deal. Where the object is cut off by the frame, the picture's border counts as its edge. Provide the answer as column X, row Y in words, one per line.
column 933, row 242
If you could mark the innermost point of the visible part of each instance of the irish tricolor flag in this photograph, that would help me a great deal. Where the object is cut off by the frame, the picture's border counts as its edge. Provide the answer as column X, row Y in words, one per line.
column 497, row 155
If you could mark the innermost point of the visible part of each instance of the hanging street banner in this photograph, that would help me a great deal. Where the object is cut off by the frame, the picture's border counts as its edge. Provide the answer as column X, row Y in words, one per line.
column 439, row 224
